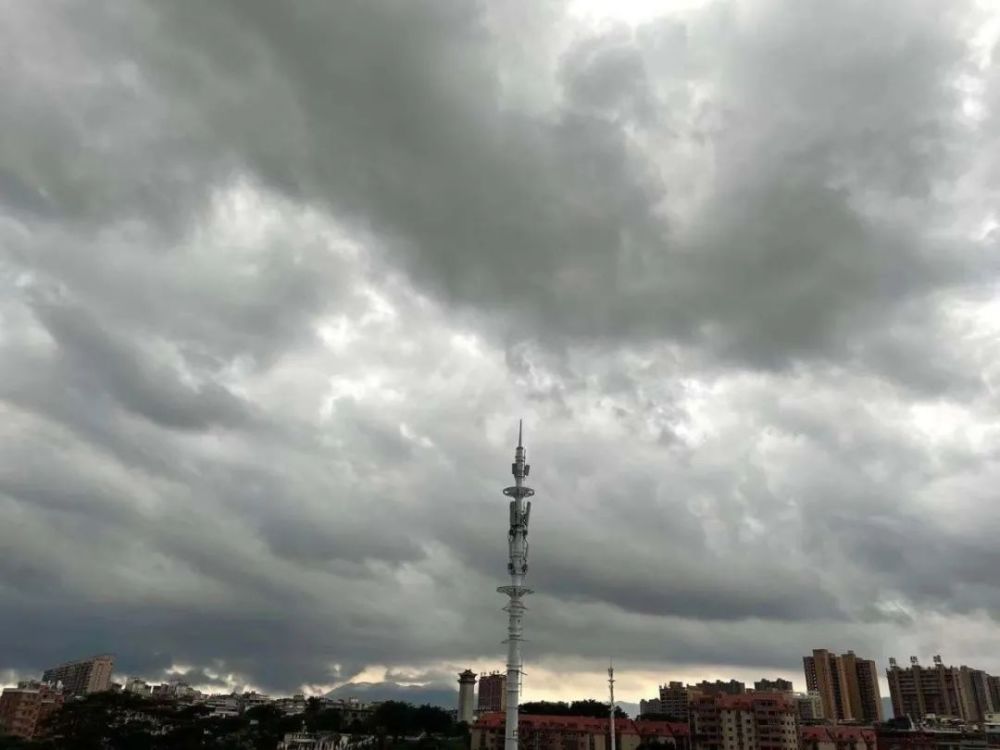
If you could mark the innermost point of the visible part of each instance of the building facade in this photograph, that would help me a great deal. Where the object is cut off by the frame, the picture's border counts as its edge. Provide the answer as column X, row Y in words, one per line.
column 847, row 686
column 753, row 721
column 492, row 693
column 578, row 733
column 675, row 701
column 81, row 677
column 958, row 692
column 979, row 699
column 23, row 709
column 810, row 707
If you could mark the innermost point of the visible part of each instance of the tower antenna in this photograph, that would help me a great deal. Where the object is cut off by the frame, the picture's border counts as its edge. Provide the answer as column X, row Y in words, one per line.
column 611, row 690
column 517, row 567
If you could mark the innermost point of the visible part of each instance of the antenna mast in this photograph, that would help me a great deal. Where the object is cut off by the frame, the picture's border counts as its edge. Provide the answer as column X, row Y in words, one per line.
column 517, row 567
column 611, row 690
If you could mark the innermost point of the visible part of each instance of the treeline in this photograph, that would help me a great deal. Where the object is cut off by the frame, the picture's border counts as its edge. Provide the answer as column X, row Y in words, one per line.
column 121, row 721
column 588, row 707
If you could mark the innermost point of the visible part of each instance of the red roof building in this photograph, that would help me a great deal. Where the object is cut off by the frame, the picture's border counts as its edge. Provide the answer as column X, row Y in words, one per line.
column 578, row 733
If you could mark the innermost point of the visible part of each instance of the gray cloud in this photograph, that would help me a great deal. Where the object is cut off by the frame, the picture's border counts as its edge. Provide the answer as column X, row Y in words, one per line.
column 275, row 284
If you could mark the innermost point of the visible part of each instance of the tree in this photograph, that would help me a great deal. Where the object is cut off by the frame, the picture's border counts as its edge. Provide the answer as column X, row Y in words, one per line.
column 432, row 719
column 325, row 720
column 545, row 708
column 596, row 709
column 394, row 718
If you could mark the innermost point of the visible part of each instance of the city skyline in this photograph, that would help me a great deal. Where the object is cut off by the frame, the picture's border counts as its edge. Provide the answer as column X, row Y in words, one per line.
column 276, row 285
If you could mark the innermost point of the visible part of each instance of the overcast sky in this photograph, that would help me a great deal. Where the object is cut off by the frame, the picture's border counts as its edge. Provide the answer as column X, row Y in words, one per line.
column 278, row 280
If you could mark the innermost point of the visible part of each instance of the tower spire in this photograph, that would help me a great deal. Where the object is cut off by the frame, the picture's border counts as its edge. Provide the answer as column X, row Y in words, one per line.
column 517, row 567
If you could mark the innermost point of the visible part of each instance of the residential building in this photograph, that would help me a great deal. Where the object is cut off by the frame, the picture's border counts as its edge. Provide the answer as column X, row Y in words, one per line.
column 752, row 721
column 578, row 733
column 777, row 685
column 224, row 706
column 251, row 699
column 810, row 707
column 870, row 693
column 137, row 686
column 492, row 693
column 651, row 706
column 24, row 709
column 993, row 685
column 847, row 686
column 733, row 687
column 291, row 706
column 958, row 692
column 979, row 699
column 675, row 700
column 837, row 737
column 81, row 677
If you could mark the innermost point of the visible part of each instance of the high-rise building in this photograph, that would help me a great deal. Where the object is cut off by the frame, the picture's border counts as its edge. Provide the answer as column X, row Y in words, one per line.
column 81, row 677
column 778, row 685
column 492, row 693
column 979, row 699
column 993, row 686
column 24, row 709
column 466, row 696
column 675, row 700
column 959, row 692
column 869, row 691
column 847, row 686
column 752, row 721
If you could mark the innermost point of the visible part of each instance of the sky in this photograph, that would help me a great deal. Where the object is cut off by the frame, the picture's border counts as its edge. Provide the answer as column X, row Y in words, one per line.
column 277, row 282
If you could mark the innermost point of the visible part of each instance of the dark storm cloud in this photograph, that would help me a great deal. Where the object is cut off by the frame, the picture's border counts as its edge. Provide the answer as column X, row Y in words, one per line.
column 273, row 281
column 559, row 217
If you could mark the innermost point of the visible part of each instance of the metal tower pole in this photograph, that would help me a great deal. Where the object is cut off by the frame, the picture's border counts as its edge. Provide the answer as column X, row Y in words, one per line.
column 611, row 690
column 517, row 566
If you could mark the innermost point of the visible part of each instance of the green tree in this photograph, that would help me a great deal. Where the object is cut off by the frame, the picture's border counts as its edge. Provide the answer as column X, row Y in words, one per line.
column 432, row 719
column 394, row 718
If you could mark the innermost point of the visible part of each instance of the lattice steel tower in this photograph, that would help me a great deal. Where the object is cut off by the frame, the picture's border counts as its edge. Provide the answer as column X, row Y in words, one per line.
column 517, row 566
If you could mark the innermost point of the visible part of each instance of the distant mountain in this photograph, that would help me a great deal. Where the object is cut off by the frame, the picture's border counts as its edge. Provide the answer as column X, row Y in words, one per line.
column 434, row 695
column 632, row 709
column 887, row 708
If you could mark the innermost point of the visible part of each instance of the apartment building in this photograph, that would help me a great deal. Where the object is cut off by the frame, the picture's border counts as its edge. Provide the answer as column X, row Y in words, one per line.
column 81, row 677
column 753, row 721
column 23, row 709
column 578, row 733
column 847, row 686
column 959, row 692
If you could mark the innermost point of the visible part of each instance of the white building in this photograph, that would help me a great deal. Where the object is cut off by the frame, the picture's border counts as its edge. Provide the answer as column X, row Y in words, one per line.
column 223, row 705
column 137, row 686
column 292, row 706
